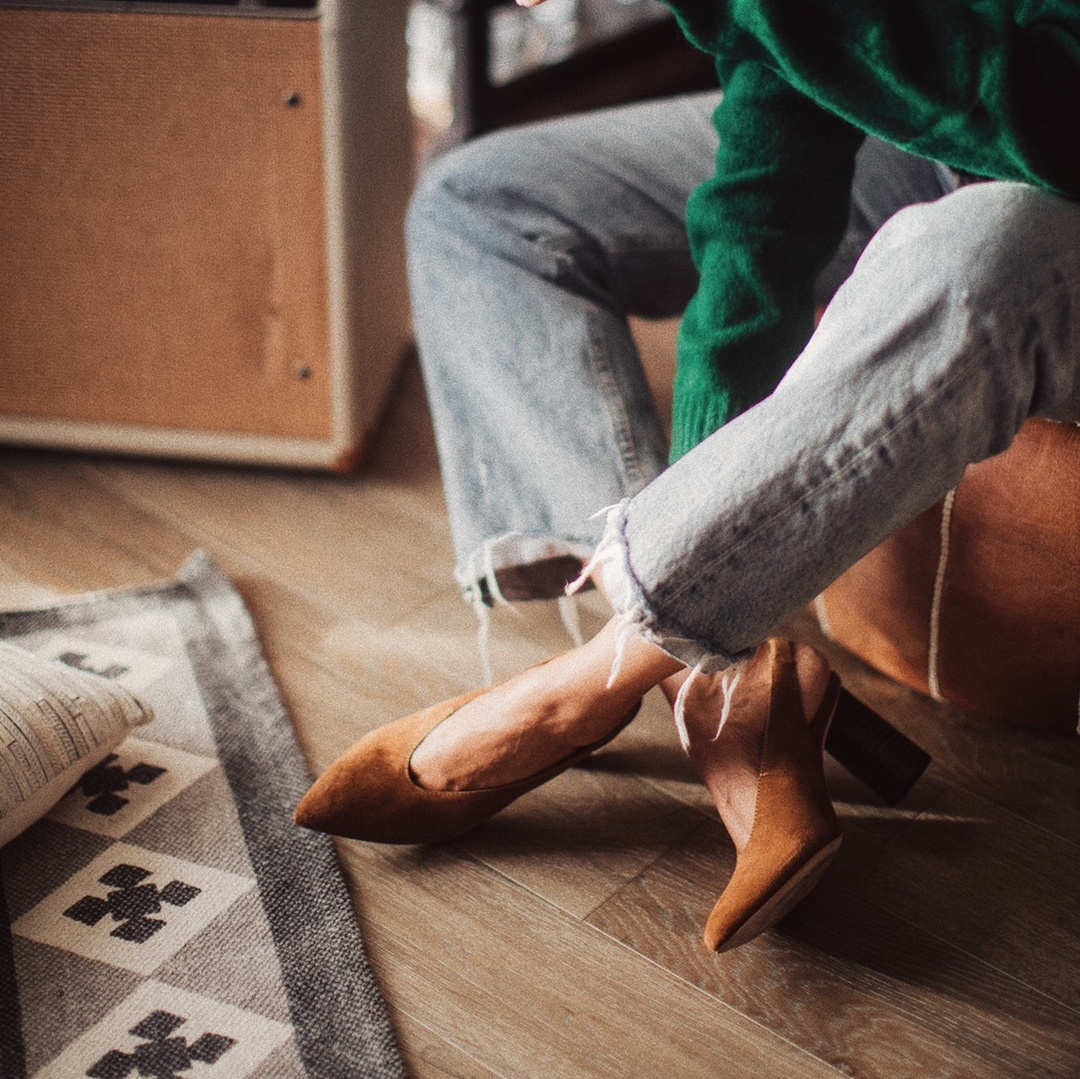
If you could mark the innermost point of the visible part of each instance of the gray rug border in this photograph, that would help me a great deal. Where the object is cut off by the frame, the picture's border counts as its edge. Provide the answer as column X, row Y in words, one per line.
column 12, row 1047
column 324, row 964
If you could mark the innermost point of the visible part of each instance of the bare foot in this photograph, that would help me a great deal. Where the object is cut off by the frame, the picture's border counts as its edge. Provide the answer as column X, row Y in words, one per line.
column 539, row 717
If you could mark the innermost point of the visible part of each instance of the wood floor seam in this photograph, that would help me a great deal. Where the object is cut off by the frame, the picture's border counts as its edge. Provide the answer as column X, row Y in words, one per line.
column 944, row 940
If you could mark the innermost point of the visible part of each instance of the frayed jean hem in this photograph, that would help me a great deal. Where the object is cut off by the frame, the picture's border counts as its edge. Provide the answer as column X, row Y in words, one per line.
column 612, row 560
column 476, row 574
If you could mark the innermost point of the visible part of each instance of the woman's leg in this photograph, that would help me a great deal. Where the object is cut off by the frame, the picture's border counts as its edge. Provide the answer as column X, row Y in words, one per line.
column 399, row 784
column 539, row 716
column 961, row 319
column 959, row 322
column 527, row 251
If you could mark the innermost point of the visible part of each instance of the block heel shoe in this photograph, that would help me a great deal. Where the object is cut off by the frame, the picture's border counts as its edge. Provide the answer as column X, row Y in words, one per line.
column 873, row 750
column 784, row 816
column 370, row 792
column 778, row 810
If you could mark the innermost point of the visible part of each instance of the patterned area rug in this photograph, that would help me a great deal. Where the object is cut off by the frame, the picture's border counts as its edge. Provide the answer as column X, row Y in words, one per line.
column 166, row 919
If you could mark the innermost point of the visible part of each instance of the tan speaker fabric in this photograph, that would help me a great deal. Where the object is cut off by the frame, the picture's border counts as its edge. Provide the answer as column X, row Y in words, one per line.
column 162, row 208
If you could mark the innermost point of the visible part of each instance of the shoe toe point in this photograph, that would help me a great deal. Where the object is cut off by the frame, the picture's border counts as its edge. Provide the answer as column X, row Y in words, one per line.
column 309, row 812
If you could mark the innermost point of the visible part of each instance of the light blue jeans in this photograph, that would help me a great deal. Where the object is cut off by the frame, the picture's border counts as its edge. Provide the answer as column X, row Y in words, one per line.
column 954, row 315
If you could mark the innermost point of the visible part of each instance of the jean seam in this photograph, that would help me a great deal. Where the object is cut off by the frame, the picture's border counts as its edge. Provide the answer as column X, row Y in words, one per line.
column 615, row 407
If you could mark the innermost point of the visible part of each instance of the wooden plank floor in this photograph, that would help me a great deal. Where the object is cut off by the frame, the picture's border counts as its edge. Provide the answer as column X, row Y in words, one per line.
column 562, row 939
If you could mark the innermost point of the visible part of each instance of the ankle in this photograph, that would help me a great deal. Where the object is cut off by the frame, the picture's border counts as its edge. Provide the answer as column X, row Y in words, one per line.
column 625, row 662
column 741, row 695
column 671, row 685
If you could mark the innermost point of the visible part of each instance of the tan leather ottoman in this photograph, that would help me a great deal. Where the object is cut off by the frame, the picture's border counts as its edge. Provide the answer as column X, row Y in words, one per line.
column 977, row 601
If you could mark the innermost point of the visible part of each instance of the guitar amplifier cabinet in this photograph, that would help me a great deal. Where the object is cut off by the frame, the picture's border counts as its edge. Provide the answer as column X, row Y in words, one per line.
column 201, row 211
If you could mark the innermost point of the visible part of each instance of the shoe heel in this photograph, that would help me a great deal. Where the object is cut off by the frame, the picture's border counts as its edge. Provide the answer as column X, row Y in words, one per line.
column 888, row 762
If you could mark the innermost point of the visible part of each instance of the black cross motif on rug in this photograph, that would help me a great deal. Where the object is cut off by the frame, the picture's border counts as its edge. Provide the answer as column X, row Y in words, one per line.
column 131, row 903
column 103, row 782
column 160, row 1057
column 78, row 660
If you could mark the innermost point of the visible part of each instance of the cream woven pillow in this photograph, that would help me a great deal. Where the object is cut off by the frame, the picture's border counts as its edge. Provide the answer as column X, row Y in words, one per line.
column 55, row 724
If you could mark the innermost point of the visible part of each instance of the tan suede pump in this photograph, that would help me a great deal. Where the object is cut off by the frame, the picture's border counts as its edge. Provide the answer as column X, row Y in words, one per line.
column 794, row 833
column 370, row 793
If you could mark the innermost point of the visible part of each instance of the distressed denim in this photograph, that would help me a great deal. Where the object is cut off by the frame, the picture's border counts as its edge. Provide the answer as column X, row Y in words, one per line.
column 953, row 320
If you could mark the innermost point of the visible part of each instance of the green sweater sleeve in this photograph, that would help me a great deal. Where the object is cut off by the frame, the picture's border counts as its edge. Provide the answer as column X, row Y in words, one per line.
column 760, row 230
column 987, row 86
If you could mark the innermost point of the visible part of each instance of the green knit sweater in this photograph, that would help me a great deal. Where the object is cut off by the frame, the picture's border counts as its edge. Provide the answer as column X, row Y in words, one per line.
column 989, row 87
